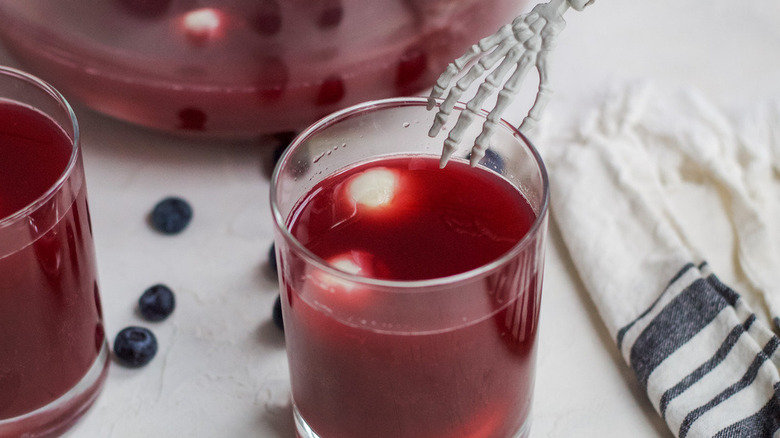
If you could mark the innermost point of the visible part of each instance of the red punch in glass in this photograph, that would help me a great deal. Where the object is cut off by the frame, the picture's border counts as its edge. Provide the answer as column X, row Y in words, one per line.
column 53, row 350
column 410, row 292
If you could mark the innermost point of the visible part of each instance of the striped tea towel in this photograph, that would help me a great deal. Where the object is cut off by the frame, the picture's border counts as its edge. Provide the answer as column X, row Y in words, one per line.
column 650, row 186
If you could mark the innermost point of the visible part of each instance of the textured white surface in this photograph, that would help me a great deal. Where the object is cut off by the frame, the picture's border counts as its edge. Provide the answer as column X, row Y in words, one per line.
column 221, row 369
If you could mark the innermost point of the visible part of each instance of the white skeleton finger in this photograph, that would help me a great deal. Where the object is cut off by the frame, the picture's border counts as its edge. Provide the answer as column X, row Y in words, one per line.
column 492, row 82
column 505, row 97
column 519, row 32
column 510, row 52
column 454, row 68
column 532, row 37
column 543, row 95
column 474, row 73
column 544, row 91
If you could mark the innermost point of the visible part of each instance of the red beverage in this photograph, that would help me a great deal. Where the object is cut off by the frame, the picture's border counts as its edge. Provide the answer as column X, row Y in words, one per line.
column 240, row 68
column 453, row 363
column 51, row 327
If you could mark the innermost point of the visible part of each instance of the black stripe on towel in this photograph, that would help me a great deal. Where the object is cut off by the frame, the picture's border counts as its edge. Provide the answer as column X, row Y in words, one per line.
column 763, row 423
column 744, row 382
column 623, row 330
column 706, row 367
column 729, row 294
column 676, row 324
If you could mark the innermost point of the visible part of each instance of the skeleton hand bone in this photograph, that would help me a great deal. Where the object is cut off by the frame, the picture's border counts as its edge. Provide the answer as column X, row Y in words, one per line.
column 525, row 43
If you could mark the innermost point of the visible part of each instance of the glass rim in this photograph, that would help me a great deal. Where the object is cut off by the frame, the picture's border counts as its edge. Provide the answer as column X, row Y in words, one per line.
column 364, row 107
column 13, row 73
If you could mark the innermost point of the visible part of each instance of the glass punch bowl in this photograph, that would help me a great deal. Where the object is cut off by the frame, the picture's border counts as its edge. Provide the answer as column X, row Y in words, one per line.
column 240, row 68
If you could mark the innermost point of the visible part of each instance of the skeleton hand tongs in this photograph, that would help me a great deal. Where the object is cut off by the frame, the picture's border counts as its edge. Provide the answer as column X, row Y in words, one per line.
column 525, row 43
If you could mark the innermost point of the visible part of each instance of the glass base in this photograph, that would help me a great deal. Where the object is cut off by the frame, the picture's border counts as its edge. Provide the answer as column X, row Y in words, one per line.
column 58, row 416
column 303, row 430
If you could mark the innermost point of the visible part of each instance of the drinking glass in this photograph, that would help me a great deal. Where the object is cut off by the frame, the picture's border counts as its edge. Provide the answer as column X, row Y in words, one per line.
column 449, row 357
column 53, row 350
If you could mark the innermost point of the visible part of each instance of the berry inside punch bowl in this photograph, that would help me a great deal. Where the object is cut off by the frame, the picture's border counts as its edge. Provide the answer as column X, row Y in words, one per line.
column 241, row 68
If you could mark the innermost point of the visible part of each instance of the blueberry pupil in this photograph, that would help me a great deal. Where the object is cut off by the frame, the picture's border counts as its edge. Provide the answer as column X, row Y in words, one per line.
column 272, row 258
column 277, row 313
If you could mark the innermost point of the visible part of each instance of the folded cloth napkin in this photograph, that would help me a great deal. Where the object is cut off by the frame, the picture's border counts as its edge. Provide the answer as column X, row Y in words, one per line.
column 644, row 191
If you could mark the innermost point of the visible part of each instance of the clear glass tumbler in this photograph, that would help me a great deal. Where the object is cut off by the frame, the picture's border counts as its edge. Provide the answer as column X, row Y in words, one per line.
column 449, row 357
column 53, row 349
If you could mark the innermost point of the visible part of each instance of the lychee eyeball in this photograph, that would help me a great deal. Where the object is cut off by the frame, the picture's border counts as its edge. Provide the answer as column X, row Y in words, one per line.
column 374, row 188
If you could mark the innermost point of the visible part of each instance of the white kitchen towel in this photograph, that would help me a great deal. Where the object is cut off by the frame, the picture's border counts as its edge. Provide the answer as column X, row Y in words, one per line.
column 651, row 185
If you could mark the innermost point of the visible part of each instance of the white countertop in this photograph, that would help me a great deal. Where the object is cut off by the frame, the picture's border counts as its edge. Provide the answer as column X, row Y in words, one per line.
column 221, row 370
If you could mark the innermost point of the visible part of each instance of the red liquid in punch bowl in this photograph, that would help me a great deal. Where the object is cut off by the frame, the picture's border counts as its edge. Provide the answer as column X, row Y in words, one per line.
column 240, row 68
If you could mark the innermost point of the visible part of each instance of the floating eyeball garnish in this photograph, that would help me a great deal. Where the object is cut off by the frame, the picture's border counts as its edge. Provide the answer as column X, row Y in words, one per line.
column 374, row 188
column 203, row 25
column 353, row 262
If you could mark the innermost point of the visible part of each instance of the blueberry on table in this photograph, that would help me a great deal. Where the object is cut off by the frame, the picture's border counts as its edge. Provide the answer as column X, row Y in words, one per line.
column 284, row 139
column 157, row 302
column 331, row 14
column 171, row 215
column 272, row 258
column 273, row 77
column 411, row 68
column 192, row 119
column 331, row 91
column 135, row 346
column 277, row 313
column 146, row 8
column 268, row 21
column 491, row 160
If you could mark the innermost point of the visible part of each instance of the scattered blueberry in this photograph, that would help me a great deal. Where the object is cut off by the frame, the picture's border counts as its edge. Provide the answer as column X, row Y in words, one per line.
column 278, row 153
column 284, row 138
column 269, row 21
column 146, row 8
column 411, row 68
column 157, row 302
column 277, row 313
column 331, row 91
column 171, row 215
column 273, row 76
column 135, row 346
column 331, row 14
column 301, row 162
column 491, row 160
column 192, row 119
column 272, row 258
